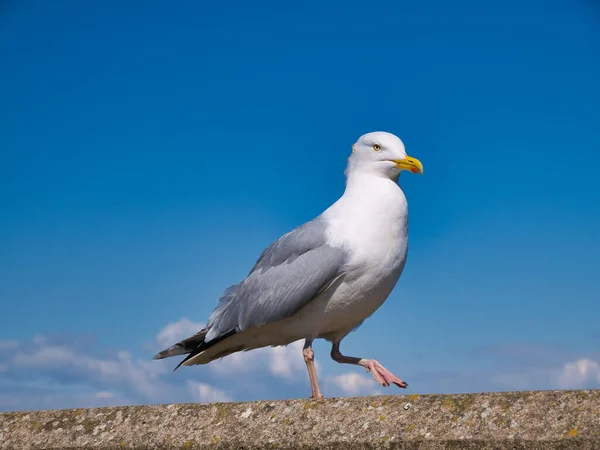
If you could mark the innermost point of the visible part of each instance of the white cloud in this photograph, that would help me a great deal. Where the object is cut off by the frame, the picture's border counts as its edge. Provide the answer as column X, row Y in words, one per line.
column 583, row 372
column 45, row 357
column 176, row 331
column 240, row 362
column 58, row 371
column 10, row 344
column 39, row 339
column 206, row 393
column 353, row 383
column 578, row 373
column 61, row 362
column 287, row 362
column 139, row 376
column 284, row 362
column 104, row 394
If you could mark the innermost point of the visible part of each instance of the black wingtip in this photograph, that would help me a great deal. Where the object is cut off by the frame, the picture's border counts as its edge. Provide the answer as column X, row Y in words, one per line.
column 205, row 345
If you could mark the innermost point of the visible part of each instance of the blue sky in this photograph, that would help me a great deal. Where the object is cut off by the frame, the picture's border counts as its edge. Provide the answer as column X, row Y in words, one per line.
column 150, row 151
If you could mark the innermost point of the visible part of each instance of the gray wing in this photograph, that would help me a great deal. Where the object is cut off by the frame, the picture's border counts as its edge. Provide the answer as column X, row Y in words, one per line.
column 289, row 274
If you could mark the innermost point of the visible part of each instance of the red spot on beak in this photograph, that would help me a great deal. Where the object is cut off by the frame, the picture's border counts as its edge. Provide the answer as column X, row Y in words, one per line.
column 414, row 170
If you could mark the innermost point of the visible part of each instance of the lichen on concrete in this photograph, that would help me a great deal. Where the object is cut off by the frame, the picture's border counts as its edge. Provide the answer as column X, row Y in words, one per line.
column 516, row 420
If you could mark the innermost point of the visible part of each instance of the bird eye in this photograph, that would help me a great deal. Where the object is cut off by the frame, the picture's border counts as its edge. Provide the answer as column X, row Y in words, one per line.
column 376, row 147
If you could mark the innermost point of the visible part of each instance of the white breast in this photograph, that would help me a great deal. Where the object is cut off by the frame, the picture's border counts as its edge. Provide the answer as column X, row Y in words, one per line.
column 370, row 221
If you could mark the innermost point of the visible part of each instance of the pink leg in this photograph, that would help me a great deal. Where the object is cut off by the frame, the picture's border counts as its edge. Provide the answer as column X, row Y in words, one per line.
column 383, row 376
column 309, row 359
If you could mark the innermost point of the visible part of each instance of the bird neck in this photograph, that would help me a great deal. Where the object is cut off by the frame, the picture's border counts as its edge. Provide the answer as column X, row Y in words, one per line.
column 371, row 195
column 361, row 182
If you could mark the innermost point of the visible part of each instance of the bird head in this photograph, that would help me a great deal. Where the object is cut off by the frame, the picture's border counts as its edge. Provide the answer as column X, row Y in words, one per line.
column 382, row 153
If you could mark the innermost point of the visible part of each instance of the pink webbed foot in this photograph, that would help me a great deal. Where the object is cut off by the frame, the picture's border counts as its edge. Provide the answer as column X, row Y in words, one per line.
column 383, row 376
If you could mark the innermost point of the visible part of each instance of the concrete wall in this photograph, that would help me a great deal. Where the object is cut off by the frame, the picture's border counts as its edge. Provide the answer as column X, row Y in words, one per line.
column 518, row 420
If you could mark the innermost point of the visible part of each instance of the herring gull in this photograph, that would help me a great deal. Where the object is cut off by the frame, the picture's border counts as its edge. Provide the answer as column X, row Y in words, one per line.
column 325, row 277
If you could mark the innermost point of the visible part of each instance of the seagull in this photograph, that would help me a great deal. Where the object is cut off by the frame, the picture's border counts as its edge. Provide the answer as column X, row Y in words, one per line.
column 325, row 277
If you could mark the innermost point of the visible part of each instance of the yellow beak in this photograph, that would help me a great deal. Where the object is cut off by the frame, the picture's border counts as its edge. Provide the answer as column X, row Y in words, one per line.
column 408, row 163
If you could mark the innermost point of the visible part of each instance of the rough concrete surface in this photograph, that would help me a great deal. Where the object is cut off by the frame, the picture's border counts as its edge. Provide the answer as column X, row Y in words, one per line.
column 515, row 420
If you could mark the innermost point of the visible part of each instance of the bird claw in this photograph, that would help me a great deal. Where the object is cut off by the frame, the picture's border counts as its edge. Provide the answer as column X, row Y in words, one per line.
column 383, row 376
